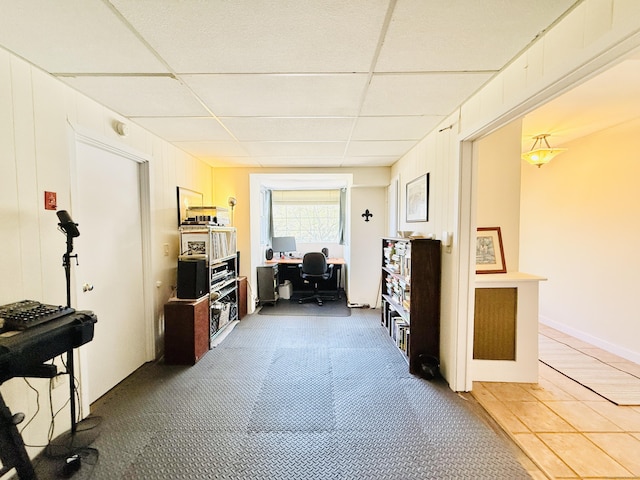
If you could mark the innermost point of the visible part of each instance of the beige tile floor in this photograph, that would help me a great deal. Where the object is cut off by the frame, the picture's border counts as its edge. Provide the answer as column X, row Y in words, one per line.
column 566, row 430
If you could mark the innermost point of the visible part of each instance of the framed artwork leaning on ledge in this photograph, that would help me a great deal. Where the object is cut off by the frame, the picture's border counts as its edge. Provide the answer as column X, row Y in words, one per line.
column 489, row 251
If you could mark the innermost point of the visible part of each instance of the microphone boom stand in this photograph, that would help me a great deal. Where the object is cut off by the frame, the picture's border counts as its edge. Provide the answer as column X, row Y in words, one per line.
column 66, row 263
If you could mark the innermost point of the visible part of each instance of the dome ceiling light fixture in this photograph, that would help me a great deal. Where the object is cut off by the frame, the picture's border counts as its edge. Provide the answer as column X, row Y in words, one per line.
column 541, row 153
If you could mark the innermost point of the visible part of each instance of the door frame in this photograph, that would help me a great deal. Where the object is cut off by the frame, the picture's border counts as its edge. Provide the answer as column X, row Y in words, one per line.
column 462, row 379
column 76, row 135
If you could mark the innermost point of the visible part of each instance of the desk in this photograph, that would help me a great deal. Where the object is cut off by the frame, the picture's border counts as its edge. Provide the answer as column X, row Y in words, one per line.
column 288, row 269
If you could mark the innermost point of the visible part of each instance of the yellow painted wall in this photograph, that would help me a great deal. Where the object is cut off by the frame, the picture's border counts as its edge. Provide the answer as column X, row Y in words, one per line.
column 498, row 205
column 235, row 182
column 581, row 230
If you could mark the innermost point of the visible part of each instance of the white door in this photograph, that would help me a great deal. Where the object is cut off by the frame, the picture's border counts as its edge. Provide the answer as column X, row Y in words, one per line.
column 109, row 273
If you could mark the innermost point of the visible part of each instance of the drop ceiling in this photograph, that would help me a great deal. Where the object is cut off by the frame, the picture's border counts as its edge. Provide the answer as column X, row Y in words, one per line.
column 331, row 83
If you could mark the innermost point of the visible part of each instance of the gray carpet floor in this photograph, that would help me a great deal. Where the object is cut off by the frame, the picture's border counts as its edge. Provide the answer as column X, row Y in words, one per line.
column 296, row 398
column 288, row 307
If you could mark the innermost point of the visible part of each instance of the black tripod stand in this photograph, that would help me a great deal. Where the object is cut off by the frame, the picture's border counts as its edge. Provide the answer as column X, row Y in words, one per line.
column 12, row 449
column 71, row 231
column 74, row 446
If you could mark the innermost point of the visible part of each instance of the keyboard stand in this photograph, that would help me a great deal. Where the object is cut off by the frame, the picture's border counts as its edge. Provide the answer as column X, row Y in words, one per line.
column 12, row 450
column 38, row 371
column 23, row 355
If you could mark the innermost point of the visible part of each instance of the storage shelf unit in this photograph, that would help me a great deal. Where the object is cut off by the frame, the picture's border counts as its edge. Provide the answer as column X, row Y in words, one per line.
column 218, row 244
column 411, row 272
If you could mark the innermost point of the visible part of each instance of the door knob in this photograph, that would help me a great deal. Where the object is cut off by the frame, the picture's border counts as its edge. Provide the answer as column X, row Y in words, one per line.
column 87, row 287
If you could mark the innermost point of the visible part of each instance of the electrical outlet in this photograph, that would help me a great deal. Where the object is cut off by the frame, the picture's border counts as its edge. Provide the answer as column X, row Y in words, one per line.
column 165, row 247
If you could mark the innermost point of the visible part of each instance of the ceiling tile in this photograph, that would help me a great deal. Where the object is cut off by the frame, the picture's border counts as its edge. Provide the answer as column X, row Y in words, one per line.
column 299, row 162
column 231, row 162
column 184, row 129
column 212, row 149
column 395, row 128
column 370, row 161
column 279, row 95
column 420, row 94
column 379, row 148
column 293, row 149
column 432, row 35
column 74, row 36
column 140, row 96
column 260, row 36
column 159, row 62
column 289, row 128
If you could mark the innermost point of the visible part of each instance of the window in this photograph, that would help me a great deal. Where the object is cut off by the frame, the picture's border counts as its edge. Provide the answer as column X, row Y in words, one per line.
column 312, row 216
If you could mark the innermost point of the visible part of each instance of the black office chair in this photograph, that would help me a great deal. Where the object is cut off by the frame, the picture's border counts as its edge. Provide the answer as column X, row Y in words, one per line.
column 313, row 269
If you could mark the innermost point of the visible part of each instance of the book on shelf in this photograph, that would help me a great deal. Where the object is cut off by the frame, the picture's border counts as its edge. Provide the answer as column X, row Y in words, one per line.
column 400, row 333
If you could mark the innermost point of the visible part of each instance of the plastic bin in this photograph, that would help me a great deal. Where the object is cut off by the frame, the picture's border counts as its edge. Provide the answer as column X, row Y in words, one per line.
column 284, row 290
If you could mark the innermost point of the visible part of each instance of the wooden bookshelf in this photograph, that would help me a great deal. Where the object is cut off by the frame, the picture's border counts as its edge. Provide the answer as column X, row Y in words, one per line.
column 411, row 271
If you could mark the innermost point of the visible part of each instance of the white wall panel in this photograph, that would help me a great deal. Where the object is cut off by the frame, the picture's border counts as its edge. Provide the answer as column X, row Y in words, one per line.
column 10, row 283
column 625, row 15
column 52, row 174
column 535, row 68
column 565, row 40
column 514, row 80
column 598, row 20
column 38, row 115
column 493, row 94
column 89, row 114
column 365, row 262
column 26, row 177
column 583, row 43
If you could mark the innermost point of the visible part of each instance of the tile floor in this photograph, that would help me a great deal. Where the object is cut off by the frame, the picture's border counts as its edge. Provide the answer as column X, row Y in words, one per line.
column 567, row 430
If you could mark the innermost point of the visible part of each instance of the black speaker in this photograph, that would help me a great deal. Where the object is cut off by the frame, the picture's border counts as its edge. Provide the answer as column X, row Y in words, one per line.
column 325, row 250
column 192, row 277
column 268, row 254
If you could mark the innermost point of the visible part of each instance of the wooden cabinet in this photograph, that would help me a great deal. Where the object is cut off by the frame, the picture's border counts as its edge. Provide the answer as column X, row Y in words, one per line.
column 242, row 297
column 186, row 331
column 411, row 271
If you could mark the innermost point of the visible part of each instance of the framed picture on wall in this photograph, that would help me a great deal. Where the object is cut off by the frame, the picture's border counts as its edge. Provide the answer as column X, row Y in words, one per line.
column 187, row 198
column 489, row 251
column 417, row 200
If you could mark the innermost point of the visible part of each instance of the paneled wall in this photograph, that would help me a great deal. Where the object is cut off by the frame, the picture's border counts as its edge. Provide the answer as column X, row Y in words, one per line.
column 590, row 37
column 38, row 118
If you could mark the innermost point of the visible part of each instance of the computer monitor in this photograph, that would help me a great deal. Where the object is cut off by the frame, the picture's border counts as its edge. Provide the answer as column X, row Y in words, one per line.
column 283, row 244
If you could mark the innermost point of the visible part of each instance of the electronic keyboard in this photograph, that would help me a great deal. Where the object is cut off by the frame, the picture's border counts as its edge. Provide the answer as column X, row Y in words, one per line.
column 29, row 313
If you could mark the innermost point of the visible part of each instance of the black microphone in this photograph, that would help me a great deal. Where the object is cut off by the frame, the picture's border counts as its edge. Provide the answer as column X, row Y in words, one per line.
column 66, row 224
